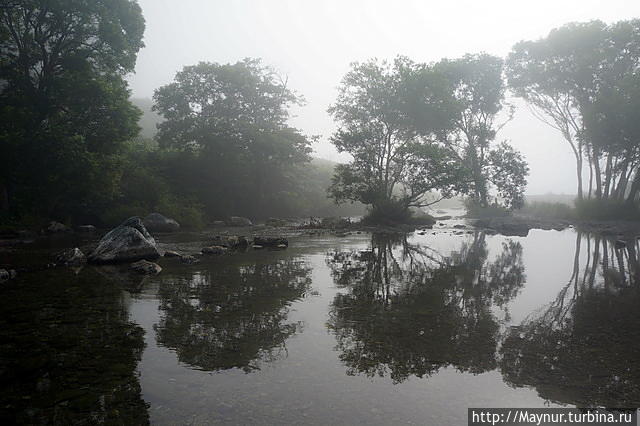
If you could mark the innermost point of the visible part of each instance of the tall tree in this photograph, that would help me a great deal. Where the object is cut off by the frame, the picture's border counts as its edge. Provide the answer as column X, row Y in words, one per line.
column 477, row 88
column 232, row 118
column 395, row 162
column 579, row 80
column 64, row 108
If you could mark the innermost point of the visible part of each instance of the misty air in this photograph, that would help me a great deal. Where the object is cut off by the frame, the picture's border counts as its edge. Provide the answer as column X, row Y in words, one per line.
column 331, row 212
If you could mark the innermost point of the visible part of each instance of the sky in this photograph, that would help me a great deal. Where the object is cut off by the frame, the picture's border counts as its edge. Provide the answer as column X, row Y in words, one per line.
column 312, row 43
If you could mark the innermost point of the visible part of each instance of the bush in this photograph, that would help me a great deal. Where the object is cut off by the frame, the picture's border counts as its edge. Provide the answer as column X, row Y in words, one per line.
column 475, row 210
column 393, row 213
column 547, row 210
column 601, row 209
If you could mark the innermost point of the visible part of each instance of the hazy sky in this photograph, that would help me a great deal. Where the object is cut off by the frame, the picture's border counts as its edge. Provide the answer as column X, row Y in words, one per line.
column 313, row 42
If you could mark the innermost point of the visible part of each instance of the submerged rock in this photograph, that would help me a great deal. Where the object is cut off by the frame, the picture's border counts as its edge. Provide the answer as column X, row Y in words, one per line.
column 56, row 227
column 231, row 241
column 146, row 267
column 272, row 221
column 128, row 242
column 71, row 257
column 189, row 259
column 214, row 250
column 270, row 241
column 86, row 228
column 155, row 222
column 171, row 253
column 239, row 221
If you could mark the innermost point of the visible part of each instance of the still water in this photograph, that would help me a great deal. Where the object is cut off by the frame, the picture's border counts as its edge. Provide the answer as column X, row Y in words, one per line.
column 368, row 329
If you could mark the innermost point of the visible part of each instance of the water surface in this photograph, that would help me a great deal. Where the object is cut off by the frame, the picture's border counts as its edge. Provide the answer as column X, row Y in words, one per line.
column 368, row 329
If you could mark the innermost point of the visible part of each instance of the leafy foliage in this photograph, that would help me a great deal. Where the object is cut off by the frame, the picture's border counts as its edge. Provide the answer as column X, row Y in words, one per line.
column 64, row 108
column 583, row 81
column 395, row 163
column 230, row 124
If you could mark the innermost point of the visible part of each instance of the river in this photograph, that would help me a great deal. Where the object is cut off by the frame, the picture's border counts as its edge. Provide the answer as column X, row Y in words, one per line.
column 363, row 329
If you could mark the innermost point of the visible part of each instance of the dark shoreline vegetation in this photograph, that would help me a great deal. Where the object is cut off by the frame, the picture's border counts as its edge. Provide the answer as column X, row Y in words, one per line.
column 216, row 141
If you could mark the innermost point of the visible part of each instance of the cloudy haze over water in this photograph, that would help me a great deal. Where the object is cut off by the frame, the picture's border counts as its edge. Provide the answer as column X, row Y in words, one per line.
column 313, row 43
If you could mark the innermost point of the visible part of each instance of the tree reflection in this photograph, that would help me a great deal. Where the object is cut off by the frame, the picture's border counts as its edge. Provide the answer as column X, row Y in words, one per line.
column 69, row 352
column 583, row 348
column 408, row 310
column 233, row 316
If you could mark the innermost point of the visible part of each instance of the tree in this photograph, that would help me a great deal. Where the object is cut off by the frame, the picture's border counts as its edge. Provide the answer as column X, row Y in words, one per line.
column 64, row 108
column 395, row 162
column 232, row 118
column 579, row 81
column 477, row 89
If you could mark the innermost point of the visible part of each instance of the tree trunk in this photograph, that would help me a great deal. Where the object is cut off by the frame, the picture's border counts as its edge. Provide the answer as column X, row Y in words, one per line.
column 596, row 165
column 635, row 188
column 607, row 177
column 579, row 173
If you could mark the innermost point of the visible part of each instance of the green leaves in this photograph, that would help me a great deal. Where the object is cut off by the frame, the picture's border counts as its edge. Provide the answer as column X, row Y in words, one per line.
column 414, row 128
column 64, row 104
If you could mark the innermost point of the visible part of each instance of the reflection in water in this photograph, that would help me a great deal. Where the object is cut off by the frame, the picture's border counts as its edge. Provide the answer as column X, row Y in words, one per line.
column 409, row 310
column 69, row 352
column 583, row 348
column 234, row 315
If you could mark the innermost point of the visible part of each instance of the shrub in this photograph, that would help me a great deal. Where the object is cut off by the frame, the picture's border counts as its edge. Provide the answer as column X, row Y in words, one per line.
column 475, row 210
column 549, row 210
column 601, row 209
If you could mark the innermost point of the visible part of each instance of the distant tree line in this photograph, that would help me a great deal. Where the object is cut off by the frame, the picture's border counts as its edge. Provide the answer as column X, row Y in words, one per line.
column 71, row 150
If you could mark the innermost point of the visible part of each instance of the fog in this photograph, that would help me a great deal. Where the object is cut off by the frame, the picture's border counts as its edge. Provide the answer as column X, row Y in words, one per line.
column 313, row 43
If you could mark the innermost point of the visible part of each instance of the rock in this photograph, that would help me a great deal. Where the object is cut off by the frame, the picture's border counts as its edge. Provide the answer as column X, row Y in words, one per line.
column 12, row 273
column 189, row 259
column 146, row 267
column 239, row 221
column 257, row 247
column 231, row 241
column 86, row 228
column 342, row 234
column 214, row 250
column 71, row 257
column 282, row 246
column 421, row 233
column 270, row 241
column 459, row 226
column 272, row 221
column 442, row 217
column 218, row 223
column 4, row 275
column 155, row 222
column 619, row 244
column 128, row 242
column 56, row 227
column 507, row 226
column 334, row 223
column 170, row 253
